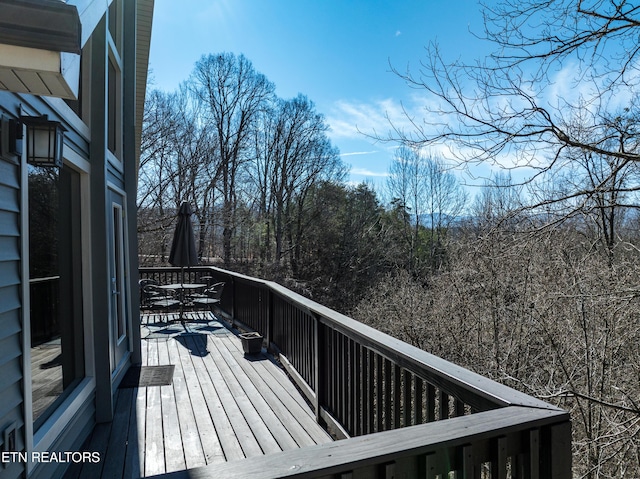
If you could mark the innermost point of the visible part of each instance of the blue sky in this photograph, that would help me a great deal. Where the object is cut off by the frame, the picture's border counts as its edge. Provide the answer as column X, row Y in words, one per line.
column 335, row 52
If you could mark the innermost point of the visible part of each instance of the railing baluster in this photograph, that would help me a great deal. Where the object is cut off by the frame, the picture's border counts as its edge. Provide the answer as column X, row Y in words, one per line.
column 357, row 403
column 431, row 465
column 388, row 395
column 397, row 396
column 468, row 465
column 333, row 371
column 534, row 454
column 431, row 403
column 443, row 401
column 350, row 386
column 270, row 319
column 417, row 411
column 408, row 398
column 379, row 393
column 499, row 471
column 342, row 383
column 348, row 378
column 365, row 390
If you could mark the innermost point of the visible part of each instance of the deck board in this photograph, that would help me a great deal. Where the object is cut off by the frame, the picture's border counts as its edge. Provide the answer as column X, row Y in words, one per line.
column 282, row 406
column 266, row 440
column 174, row 454
column 195, row 431
column 220, row 407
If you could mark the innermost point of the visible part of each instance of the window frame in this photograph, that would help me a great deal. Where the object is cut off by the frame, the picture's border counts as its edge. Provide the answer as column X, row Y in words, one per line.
column 53, row 426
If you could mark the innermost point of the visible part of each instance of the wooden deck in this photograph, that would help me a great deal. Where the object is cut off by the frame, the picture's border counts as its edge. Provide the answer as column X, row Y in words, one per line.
column 220, row 407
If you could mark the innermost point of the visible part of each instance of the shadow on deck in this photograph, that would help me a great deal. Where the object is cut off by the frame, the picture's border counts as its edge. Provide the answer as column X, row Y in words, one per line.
column 220, row 406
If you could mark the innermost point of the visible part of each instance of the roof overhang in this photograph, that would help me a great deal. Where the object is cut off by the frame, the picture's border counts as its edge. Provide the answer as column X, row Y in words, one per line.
column 40, row 45
column 144, row 19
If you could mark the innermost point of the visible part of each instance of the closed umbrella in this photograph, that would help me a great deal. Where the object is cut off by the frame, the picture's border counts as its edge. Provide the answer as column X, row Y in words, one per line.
column 183, row 249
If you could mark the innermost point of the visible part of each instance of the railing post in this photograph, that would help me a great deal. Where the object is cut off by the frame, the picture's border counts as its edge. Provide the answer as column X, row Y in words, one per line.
column 555, row 456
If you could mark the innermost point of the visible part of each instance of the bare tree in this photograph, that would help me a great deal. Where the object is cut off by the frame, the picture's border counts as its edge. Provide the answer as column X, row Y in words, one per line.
column 498, row 203
column 446, row 201
column 293, row 154
column 323, row 164
column 234, row 93
column 506, row 109
column 431, row 196
column 546, row 315
column 406, row 186
column 261, row 174
column 155, row 175
column 599, row 188
column 178, row 164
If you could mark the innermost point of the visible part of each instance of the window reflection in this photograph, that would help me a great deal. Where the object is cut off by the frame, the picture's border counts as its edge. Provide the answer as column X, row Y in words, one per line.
column 57, row 348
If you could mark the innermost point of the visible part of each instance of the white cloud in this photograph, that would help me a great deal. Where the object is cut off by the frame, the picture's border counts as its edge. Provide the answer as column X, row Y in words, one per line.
column 365, row 172
column 589, row 91
column 398, row 33
column 354, row 120
column 356, row 153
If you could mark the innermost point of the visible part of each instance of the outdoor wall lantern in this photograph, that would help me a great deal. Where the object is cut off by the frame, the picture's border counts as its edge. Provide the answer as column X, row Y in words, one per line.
column 45, row 139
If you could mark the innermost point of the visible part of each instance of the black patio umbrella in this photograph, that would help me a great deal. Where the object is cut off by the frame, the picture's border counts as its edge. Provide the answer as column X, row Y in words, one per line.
column 183, row 248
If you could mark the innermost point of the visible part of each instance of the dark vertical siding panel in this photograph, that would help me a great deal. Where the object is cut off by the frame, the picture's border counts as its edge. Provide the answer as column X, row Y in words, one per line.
column 11, row 392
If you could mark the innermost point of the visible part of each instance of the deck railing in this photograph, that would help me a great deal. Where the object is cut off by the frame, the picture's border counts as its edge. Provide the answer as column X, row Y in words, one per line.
column 400, row 409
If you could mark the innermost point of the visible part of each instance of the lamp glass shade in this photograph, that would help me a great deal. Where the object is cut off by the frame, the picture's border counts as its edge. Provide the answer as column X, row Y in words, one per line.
column 45, row 140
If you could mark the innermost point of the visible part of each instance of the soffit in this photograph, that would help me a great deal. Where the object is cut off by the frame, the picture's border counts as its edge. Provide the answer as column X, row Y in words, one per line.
column 144, row 17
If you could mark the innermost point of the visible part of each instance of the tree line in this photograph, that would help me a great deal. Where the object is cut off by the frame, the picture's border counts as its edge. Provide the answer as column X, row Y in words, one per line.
column 245, row 159
column 269, row 190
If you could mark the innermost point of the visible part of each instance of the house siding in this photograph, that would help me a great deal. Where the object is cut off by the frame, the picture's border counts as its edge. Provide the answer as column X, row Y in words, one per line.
column 11, row 403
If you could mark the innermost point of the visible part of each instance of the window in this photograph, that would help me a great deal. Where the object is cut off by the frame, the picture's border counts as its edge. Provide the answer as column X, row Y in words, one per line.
column 115, row 23
column 118, row 280
column 114, row 132
column 55, row 287
column 114, row 79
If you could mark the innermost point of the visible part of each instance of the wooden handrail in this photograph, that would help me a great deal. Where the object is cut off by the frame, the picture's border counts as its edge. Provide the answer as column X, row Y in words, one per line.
column 463, row 444
column 362, row 382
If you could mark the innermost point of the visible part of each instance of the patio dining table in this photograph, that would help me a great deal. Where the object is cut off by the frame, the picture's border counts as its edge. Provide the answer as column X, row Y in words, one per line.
column 182, row 287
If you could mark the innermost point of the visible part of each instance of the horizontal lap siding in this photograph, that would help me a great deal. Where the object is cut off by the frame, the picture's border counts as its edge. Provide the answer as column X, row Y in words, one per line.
column 11, row 394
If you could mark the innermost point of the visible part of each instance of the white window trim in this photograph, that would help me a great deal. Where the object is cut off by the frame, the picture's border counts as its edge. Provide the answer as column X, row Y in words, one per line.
column 115, row 157
column 128, row 312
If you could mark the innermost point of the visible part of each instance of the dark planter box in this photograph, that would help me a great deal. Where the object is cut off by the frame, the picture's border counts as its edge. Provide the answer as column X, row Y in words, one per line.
column 251, row 342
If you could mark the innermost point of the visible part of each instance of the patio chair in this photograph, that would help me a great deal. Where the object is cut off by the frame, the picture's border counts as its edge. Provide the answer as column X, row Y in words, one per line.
column 160, row 298
column 211, row 297
column 146, row 294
